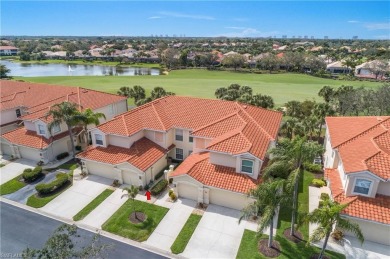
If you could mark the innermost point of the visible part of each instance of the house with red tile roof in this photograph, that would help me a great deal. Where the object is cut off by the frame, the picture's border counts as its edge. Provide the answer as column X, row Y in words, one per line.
column 23, row 109
column 357, row 167
column 220, row 145
column 8, row 51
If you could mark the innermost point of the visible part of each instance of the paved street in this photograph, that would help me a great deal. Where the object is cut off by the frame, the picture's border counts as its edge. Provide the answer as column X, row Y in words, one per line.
column 21, row 229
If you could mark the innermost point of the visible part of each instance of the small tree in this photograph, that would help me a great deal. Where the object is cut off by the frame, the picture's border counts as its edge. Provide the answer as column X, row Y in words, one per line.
column 131, row 193
column 329, row 216
column 88, row 117
column 4, row 71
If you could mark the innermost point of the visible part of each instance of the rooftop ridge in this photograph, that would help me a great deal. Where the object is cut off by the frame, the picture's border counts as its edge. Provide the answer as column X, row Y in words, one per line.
column 124, row 123
column 380, row 146
column 219, row 120
column 13, row 96
column 158, row 117
column 230, row 135
column 363, row 132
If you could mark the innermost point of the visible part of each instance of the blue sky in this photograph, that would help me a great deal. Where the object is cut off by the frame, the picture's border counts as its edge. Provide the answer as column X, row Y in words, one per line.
column 365, row 19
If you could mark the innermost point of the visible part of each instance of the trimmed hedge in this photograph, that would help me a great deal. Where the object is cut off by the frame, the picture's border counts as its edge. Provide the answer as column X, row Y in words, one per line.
column 30, row 175
column 161, row 173
column 313, row 168
column 318, row 182
column 159, row 187
column 62, row 155
column 46, row 188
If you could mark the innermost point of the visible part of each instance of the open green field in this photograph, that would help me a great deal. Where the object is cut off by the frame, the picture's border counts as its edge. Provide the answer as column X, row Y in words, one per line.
column 203, row 83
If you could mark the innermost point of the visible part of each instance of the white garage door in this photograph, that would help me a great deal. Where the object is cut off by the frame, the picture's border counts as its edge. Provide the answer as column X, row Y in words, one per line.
column 6, row 149
column 102, row 170
column 228, row 199
column 30, row 153
column 130, row 177
column 188, row 191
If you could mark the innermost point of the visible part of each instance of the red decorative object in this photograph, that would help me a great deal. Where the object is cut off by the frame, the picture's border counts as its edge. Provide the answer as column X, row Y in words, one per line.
column 148, row 195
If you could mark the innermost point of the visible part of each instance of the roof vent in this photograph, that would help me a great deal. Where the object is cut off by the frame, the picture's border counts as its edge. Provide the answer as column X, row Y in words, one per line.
column 379, row 118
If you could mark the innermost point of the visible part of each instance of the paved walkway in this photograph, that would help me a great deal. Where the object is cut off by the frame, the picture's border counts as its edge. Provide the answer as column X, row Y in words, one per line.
column 74, row 199
column 105, row 210
column 351, row 247
column 170, row 226
column 14, row 169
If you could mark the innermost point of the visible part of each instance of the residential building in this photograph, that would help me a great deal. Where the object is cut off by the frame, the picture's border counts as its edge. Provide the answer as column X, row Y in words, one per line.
column 357, row 167
column 28, row 103
column 8, row 51
column 374, row 69
column 221, row 146
column 338, row 68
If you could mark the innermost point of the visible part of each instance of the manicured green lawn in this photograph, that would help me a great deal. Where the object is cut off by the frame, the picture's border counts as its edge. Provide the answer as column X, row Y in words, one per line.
column 203, row 83
column 119, row 222
column 11, row 186
column 39, row 202
column 249, row 242
column 92, row 205
column 185, row 234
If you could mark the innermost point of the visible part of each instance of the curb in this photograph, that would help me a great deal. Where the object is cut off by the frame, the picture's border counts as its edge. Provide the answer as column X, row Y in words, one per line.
column 94, row 230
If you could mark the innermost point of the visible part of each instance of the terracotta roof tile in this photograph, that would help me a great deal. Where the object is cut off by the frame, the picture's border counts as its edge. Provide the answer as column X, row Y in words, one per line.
column 142, row 154
column 375, row 209
column 198, row 167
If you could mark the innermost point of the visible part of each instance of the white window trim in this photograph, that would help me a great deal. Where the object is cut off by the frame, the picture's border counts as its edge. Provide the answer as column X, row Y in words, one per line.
column 59, row 128
column 181, row 153
column 39, row 130
column 253, row 166
column 362, row 194
column 182, row 134
column 96, row 140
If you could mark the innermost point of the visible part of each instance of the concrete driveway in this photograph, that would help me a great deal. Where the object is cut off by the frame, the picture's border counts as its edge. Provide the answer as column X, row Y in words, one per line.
column 74, row 199
column 218, row 234
column 170, row 226
column 24, row 193
column 14, row 169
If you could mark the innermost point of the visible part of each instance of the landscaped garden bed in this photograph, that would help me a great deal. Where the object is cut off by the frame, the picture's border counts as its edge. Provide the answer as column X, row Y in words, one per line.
column 92, row 205
column 120, row 223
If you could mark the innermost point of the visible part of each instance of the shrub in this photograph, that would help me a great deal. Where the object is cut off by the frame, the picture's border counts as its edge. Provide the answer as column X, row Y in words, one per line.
column 159, row 187
column 78, row 148
column 318, row 183
column 47, row 188
column 338, row 234
column 324, row 196
column 30, row 175
column 170, row 192
column 62, row 155
column 173, row 196
column 314, row 168
column 161, row 173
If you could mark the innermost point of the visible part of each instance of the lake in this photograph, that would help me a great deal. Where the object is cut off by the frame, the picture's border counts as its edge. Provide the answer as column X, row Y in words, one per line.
column 32, row 70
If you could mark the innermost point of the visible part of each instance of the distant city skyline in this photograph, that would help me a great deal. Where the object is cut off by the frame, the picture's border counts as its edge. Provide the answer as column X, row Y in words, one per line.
column 317, row 19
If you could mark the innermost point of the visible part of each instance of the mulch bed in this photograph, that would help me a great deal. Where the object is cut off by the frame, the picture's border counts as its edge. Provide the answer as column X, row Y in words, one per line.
column 271, row 252
column 141, row 217
column 296, row 238
column 315, row 256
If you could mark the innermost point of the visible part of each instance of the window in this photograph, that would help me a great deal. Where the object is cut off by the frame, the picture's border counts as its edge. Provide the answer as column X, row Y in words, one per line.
column 41, row 129
column 18, row 114
column 247, row 166
column 362, row 186
column 99, row 139
column 190, row 138
column 56, row 128
column 179, row 154
column 179, row 134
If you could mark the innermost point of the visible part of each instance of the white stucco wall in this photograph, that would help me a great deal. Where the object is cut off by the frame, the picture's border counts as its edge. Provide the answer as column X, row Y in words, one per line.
column 119, row 141
column 8, row 116
column 157, row 137
column 151, row 172
column 384, row 188
column 186, row 145
column 373, row 231
column 29, row 125
column 223, row 159
column 350, row 183
column 118, row 108
column 97, row 131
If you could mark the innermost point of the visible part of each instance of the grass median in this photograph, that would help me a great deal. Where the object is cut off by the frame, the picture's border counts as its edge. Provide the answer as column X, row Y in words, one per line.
column 120, row 224
column 92, row 205
column 185, row 234
column 12, row 186
column 36, row 201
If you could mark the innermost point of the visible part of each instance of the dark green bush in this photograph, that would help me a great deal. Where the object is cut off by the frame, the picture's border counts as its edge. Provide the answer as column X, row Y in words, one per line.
column 46, row 188
column 313, row 168
column 30, row 175
column 159, row 187
column 318, row 182
column 62, row 155
column 78, row 148
column 161, row 173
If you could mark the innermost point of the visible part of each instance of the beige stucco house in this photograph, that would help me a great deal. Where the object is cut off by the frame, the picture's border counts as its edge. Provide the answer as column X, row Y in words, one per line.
column 357, row 166
column 220, row 145
column 24, row 106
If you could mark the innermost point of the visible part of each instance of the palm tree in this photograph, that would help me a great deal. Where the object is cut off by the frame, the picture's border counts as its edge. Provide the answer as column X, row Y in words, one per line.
column 88, row 117
column 294, row 154
column 268, row 197
column 137, row 92
column 328, row 216
column 131, row 193
column 290, row 126
column 327, row 93
column 67, row 113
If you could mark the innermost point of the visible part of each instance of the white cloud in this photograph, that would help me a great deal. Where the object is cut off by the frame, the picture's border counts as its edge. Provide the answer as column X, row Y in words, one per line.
column 154, row 17
column 353, row 21
column 236, row 28
column 187, row 16
column 377, row 26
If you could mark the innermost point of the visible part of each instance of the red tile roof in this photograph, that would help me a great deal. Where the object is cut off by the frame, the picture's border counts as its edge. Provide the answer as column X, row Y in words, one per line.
column 142, row 154
column 199, row 167
column 376, row 209
column 37, row 98
column 29, row 138
column 7, row 47
column 205, row 117
column 363, row 143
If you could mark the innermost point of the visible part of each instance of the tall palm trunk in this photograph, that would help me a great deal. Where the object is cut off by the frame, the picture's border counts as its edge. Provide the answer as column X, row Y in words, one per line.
column 294, row 209
column 271, row 232
column 324, row 246
column 71, row 140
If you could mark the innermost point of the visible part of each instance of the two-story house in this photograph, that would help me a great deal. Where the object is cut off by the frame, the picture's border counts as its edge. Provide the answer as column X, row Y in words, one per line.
column 222, row 146
column 28, row 104
column 357, row 166
column 8, row 51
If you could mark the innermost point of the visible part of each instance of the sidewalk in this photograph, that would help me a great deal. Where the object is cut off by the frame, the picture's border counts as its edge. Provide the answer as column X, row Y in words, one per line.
column 351, row 246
